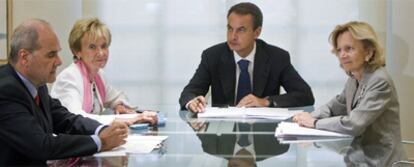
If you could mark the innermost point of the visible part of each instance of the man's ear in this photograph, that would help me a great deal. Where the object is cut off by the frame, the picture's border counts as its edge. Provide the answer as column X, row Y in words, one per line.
column 23, row 56
column 258, row 31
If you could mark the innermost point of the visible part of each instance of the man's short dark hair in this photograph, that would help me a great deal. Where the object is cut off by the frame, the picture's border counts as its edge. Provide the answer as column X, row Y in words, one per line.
column 245, row 8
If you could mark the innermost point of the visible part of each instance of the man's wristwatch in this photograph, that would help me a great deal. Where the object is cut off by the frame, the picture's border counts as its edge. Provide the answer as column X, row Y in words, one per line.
column 271, row 104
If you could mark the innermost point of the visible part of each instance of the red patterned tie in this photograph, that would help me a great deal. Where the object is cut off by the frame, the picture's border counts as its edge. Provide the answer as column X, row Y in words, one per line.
column 37, row 100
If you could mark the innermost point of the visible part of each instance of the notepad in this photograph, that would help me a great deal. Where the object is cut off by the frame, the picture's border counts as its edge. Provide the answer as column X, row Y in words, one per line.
column 135, row 144
column 255, row 112
column 289, row 129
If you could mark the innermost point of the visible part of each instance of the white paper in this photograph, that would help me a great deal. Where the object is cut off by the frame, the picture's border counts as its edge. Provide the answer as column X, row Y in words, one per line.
column 134, row 144
column 255, row 112
column 311, row 140
column 286, row 129
column 107, row 119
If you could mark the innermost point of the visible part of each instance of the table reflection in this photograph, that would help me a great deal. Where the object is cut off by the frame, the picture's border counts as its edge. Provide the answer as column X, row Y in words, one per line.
column 261, row 144
column 219, row 142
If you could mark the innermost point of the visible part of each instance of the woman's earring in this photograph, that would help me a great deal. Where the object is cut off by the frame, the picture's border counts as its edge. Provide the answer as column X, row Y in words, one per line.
column 367, row 59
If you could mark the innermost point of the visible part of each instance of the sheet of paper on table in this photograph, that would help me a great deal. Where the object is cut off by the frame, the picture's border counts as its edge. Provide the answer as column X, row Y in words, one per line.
column 241, row 112
column 107, row 119
column 293, row 130
column 134, row 144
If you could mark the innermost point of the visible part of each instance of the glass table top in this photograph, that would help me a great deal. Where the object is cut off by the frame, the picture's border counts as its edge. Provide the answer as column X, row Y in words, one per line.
column 230, row 142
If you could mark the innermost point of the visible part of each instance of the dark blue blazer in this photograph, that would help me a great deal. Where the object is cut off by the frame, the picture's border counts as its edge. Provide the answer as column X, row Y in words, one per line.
column 272, row 69
column 30, row 135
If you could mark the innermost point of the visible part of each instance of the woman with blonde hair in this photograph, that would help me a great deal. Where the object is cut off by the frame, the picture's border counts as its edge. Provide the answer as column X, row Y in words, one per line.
column 81, row 87
column 368, row 107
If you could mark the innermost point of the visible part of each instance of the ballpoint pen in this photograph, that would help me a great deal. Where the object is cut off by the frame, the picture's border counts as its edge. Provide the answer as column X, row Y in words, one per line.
column 142, row 110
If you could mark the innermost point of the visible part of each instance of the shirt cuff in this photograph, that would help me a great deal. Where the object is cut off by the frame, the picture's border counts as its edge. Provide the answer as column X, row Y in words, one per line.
column 97, row 142
column 98, row 130
column 186, row 105
column 96, row 138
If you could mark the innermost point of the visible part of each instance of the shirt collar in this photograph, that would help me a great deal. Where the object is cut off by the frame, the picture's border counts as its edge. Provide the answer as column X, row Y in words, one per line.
column 32, row 89
column 249, row 57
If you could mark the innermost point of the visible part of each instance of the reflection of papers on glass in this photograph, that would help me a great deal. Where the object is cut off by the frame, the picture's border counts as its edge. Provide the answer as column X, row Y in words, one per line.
column 134, row 144
column 236, row 112
column 293, row 130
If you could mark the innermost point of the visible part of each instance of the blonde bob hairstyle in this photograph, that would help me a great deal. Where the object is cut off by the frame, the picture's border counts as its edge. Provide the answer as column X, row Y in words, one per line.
column 365, row 33
column 91, row 26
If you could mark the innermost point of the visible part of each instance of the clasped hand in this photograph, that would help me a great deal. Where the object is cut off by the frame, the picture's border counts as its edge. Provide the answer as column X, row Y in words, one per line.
column 198, row 104
column 150, row 117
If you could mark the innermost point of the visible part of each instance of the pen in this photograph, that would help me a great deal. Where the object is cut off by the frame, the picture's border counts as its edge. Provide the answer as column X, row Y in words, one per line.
column 141, row 110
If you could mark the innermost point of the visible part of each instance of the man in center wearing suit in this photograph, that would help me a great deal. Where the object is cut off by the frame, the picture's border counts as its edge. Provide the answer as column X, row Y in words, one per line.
column 245, row 71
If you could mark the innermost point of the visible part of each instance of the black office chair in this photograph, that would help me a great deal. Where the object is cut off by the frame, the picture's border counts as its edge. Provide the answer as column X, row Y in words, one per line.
column 410, row 161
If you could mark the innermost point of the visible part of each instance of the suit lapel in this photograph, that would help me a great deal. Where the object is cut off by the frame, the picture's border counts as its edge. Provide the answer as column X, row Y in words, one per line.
column 32, row 104
column 362, row 86
column 260, row 71
column 26, row 91
column 227, row 70
column 350, row 94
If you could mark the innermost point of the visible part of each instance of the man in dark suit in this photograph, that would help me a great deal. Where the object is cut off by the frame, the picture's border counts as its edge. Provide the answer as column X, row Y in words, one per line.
column 256, row 78
column 33, row 126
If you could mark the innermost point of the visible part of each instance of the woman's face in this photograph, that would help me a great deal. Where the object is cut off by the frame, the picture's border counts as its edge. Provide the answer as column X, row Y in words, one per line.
column 94, row 53
column 351, row 53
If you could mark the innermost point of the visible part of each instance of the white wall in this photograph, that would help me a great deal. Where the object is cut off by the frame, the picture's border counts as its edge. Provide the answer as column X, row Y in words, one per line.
column 61, row 14
column 400, row 62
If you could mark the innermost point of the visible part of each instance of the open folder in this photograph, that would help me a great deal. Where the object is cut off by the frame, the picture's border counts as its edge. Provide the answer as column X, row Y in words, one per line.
column 294, row 131
column 241, row 112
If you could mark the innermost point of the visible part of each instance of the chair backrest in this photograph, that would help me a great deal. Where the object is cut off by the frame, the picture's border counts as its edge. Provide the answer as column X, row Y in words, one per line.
column 409, row 162
column 3, row 61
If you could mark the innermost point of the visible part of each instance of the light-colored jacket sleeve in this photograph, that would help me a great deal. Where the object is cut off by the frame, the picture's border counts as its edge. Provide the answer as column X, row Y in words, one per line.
column 335, row 107
column 113, row 96
column 68, row 88
column 376, row 99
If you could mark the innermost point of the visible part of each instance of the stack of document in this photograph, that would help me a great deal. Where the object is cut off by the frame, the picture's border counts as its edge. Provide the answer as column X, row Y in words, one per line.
column 134, row 144
column 288, row 131
column 237, row 112
column 107, row 119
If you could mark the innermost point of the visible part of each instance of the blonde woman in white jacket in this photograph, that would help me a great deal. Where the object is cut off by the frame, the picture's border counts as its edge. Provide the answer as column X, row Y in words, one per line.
column 82, row 88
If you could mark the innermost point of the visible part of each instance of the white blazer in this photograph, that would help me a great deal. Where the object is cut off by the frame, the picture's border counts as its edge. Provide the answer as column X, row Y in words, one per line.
column 69, row 89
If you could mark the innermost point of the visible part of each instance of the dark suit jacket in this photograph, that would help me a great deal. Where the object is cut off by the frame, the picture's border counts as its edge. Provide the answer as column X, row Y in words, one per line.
column 27, row 132
column 272, row 69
